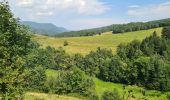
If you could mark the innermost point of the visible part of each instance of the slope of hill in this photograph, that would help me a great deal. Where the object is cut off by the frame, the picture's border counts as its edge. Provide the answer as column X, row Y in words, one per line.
column 86, row 44
column 44, row 28
column 118, row 28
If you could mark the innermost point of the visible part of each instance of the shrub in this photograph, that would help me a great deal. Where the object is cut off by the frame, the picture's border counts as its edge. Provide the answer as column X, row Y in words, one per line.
column 71, row 81
column 166, row 32
column 111, row 95
column 168, row 96
column 65, row 43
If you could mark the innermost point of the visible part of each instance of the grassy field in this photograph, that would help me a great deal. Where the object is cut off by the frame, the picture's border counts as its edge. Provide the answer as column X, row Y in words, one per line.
column 86, row 44
column 43, row 96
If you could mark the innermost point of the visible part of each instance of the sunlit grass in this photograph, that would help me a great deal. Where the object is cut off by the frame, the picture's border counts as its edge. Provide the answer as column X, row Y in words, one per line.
column 86, row 44
column 43, row 96
column 102, row 86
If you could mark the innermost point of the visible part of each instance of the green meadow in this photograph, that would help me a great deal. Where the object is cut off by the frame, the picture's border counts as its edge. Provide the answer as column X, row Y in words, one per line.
column 86, row 44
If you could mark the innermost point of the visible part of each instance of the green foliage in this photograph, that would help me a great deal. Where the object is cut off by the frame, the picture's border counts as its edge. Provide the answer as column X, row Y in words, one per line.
column 15, row 47
column 35, row 78
column 166, row 35
column 36, row 64
column 95, row 60
column 168, row 96
column 71, row 81
column 141, row 64
column 152, row 73
column 153, row 45
column 148, row 65
column 111, row 95
column 131, row 51
column 113, row 70
column 44, row 57
column 62, row 59
column 168, row 49
column 166, row 32
column 65, row 43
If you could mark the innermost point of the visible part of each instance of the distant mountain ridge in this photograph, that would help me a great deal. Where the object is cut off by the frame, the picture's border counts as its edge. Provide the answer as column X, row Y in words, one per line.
column 44, row 28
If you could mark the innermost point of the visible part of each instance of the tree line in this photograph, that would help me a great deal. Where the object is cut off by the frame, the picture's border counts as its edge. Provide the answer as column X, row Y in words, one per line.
column 118, row 28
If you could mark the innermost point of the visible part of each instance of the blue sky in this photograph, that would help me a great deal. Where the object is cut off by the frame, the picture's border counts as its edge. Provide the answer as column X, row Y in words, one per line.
column 83, row 14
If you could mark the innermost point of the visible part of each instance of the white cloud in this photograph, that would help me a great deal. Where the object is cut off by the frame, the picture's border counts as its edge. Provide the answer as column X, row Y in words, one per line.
column 166, row 3
column 151, row 11
column 45, row 13
column 25, row 3
column 55, row 7
column 94, row 22
column 134, row 6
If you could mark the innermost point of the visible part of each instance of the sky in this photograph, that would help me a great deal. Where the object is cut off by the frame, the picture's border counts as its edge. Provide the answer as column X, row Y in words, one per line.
column 85, row 14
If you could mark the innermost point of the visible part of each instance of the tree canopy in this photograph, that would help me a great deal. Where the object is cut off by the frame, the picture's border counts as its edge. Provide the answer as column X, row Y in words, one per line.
column 15, row 46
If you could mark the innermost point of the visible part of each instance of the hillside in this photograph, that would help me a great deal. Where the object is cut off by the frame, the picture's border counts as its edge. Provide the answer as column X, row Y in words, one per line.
column 84, row 44
column 44, row 28
column 118, row 28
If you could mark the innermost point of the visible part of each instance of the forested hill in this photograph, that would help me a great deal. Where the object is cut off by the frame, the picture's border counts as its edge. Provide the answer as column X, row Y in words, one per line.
column 118, row 28
column 44, row 28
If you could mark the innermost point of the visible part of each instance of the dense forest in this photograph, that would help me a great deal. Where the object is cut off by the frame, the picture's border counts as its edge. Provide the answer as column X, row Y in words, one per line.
column 23, row 63
column 118, row 28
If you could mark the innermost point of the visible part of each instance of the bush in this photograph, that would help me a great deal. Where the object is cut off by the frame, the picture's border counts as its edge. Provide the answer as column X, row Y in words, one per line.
column 166, row 32
column 111, row 95
column 62, row 60
column 71, row 81
column 65, row 43
column 37, row 78
column 93, row 96
column 168, row 96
